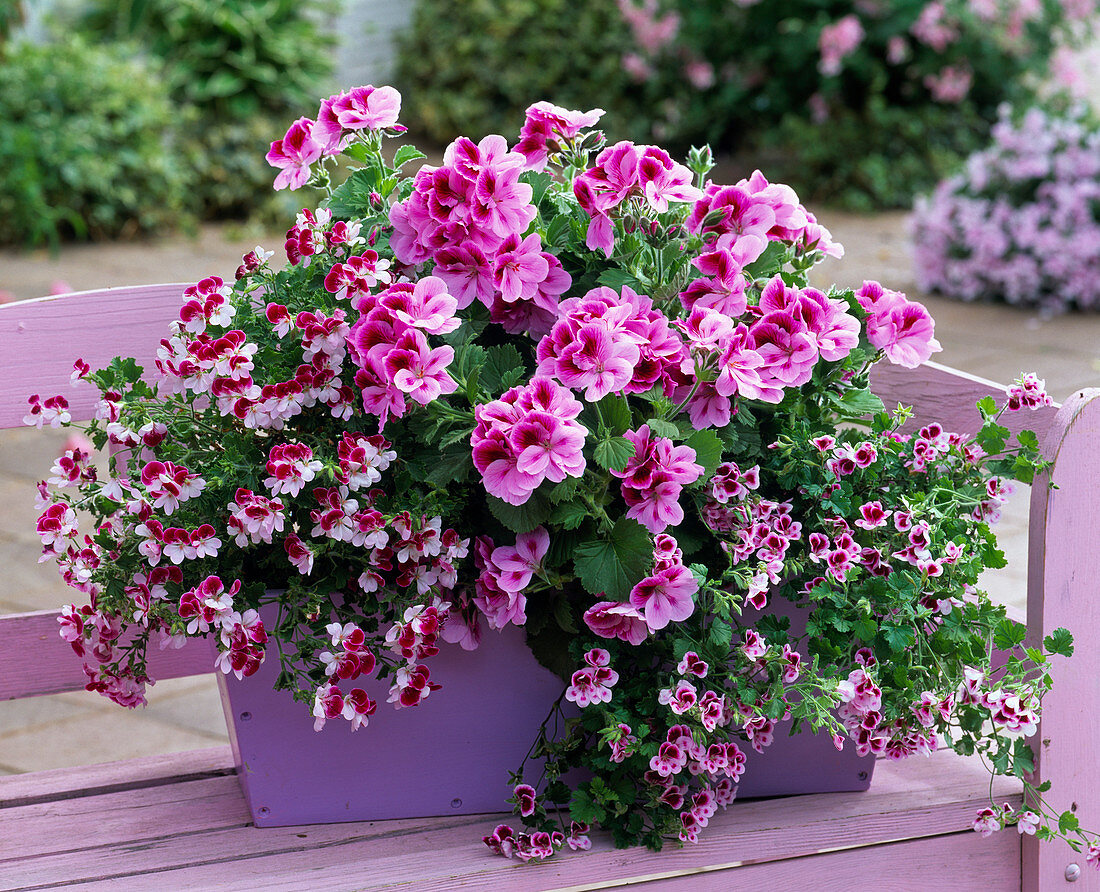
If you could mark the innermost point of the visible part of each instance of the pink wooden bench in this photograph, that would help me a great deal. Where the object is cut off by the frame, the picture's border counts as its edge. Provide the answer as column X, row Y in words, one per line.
column 180, row 821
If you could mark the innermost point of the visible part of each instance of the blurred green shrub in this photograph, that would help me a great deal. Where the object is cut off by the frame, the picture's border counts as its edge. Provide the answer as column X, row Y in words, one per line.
column 474, row 66
column 239, row 69
column 86, row 145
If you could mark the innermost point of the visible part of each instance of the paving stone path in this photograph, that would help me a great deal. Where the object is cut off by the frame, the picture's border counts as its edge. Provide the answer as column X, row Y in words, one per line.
column 74, row 729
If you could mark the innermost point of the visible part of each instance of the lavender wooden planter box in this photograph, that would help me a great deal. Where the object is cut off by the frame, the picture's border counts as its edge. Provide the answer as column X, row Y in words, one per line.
column 452, row 754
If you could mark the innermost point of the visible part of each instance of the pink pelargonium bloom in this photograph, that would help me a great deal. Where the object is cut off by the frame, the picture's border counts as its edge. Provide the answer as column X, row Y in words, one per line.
column 519, row 267
column 905, row 333
column 418, row 369
column 663, row 180
column 547, row 446
column 364, row 108
column 597, row 361
column 294, row 154
column 429, row 306
column 517, row 564
column 786, row 346
column 614, row 619
column 546, row 123
column 667, row 596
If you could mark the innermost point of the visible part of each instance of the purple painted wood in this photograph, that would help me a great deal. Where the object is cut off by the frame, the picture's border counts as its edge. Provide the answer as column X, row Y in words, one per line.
column 939, row 393
column 137, row 838
column 492, row 703
column 1063, row 574
column 42, row 338
column 34, row 660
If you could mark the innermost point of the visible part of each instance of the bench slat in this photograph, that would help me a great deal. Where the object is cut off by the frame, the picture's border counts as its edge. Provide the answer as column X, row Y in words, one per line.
column 939, row 393
column 109, row 777
column 43, row 337
column 205, row 823
column 32, row 640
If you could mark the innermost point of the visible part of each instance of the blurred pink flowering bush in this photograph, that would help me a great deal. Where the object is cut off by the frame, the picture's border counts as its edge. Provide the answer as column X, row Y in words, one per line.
column 572, row 387
column 895, row 91
column 1020, row 223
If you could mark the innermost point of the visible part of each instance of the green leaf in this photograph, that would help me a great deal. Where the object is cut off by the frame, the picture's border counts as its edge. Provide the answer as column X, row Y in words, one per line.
column 563, row 614
column 858, row 403
column 584, row 809
column 569, row 515
column 520, row 518
column 1028, row 439
column 539, row 183
column 405, row 154
column 897, row 637
column 987, row 406
column 1068, row 822
column 352, row 197
column 614, row 453
column 768, row 263
column 565, row 490
column 708, row 450
column 1008, row 634
column 611, row 566
column 659, row 427
column 721, row 636
column 1023, row 759
column 615, row 412
column 1060, row 642
column 617, row 278
column 992, row 438
column 503, row 368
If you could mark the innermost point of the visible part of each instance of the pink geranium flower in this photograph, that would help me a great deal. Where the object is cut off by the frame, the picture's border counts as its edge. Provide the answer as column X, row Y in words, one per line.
column 294, row 154
column 419, row 370
column 665, row 597
column 905, row 333
column 518, row 564
column 614, row 619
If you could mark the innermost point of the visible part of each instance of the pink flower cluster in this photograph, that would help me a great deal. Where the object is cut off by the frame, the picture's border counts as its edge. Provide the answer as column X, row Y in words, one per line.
column 54, row 411
column 389, row 343
column 254, row 518
column 903, row 329
column 414, row 639
column 759, row 529
column 504, row 572
column 339, row 119
column 314, row 232
column 357, row 275
column 667, row 594
column 206, row 303
column 1029, row 392
column 606, row 343
column 469, row 217
column 644, row 178
column 528, row 435
column 363, row 458
column 241, row 636
column 532, row 846
column 760, row 211
column 169, row 485
column 1017, row 224
column 546, row 127
column 722, row 764
column 291, row 466
column 592, row 684
column 838, row 39
column 653, row 479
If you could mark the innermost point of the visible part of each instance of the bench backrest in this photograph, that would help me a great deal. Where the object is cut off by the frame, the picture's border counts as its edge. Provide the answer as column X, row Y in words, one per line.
column 40, row 339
